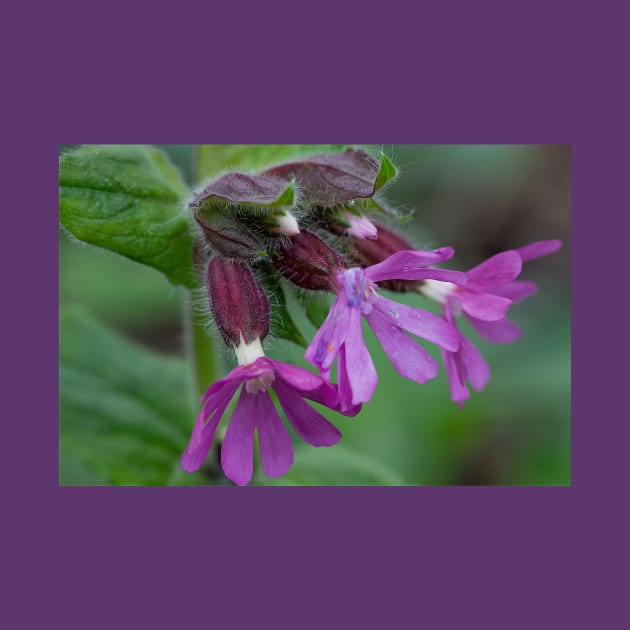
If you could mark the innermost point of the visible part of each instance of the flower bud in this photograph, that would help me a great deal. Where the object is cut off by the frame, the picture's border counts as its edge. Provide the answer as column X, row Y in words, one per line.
column 359, row 226
column 333, row 178
column 238, row 302
column 287, row 224
column 199, row 256
column 282, row 223
column 228, row 235
column 308, row 262
column 386, row 243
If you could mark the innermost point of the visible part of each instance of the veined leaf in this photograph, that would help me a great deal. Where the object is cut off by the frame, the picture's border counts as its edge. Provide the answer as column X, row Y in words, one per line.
column 282, row 324
column 317, row 307
column 128, row 199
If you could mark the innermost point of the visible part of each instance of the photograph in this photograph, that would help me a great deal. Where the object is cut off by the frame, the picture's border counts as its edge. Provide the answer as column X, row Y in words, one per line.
column 314, row 315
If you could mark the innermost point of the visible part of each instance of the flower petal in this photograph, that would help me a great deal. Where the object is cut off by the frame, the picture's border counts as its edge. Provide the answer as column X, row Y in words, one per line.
column 495, row 272
column 297, row 377
column 206, row 424
column 477, row 368
column 353, row 283
column 500, row 331
column 517, row 290
column 276, row 450
column 538, row 249
column 408, row 357
column 420, row 322
column 310, row 425
column 345, row 389
column 406, row 263
column 237, row 374
column 431, row 273
column 327, row 394
column 312, row 386
column 359, row 368
column 237, row 452
column 459, row 391
column 484, row 306
column 324, row 348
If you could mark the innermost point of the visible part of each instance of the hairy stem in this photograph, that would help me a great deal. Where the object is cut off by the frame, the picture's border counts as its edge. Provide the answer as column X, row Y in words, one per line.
column 201, row 347
column 201, row 352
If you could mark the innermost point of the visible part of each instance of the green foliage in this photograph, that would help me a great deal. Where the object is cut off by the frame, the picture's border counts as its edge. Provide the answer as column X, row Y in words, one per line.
column 386, row 173
column 287, row 197
column 128, row 199
column 282, row 324
column 124, row 412
column 117, row 290
column 317, row 307
column 334, row 466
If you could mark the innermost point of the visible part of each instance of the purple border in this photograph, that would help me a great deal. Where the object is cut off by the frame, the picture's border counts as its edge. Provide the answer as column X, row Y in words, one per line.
column 317, row 557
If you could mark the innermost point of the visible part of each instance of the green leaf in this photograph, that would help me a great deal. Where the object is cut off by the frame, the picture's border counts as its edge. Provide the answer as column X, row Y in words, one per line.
column 287, row 197
column 317, row 307
column 125, row 416
column 334, row 466
column 128, row 199
column 386, row 172
column 74, row 472
column 282, row 324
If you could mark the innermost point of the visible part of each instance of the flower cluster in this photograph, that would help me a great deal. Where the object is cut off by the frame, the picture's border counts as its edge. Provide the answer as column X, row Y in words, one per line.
column 307, row 222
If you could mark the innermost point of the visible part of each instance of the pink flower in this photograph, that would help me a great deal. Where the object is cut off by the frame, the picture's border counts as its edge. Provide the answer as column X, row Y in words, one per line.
column 340, row 336
column 255, row 410
column 465, row 364
column 241, row 311
column 490, row 289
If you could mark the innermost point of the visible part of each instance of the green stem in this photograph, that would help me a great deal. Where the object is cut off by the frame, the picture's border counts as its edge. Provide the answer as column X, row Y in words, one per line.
column 201, row 348
column 201, row 352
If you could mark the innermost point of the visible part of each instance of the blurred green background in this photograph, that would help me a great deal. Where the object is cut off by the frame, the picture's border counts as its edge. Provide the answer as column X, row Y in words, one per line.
column 479, row 199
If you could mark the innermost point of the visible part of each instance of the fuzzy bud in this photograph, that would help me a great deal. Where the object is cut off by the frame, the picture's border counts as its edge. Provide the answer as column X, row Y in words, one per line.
column 308, row 262
column 199, row 257
column 333, row 178
column 238, row 302
column 228, row 235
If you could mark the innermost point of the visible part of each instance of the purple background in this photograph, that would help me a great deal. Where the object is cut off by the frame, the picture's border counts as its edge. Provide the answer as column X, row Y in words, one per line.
column 485, row 557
